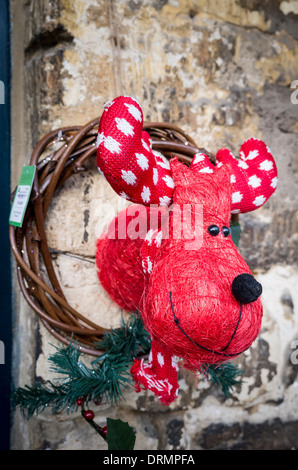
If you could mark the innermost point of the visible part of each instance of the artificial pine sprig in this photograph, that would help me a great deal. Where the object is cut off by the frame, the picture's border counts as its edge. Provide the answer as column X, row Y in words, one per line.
column 34, row 400
column 128, row 340
column 108, row 375
column 104, row 380
column 225, row 375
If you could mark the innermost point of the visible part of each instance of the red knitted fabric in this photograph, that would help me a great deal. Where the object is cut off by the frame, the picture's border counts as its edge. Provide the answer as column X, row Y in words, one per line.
column 182, row 287
column 126, row 158
column 159, row 374
column 254, row 175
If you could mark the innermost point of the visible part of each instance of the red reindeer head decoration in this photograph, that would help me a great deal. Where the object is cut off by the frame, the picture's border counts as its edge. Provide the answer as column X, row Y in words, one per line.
column 197, row 296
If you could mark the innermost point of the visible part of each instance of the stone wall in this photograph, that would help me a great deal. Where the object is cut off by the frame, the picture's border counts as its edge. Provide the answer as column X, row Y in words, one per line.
column 222, row 71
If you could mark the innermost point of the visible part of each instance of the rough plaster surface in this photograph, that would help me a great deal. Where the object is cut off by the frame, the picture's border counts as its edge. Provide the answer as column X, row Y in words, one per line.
column 223, row 72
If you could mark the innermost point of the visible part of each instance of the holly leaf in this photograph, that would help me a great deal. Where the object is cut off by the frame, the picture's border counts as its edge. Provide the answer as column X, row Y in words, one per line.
column 120, row 436
column 235, row 232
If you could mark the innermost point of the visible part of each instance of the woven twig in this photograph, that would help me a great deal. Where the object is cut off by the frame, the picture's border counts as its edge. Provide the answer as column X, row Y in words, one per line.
column 74, row 146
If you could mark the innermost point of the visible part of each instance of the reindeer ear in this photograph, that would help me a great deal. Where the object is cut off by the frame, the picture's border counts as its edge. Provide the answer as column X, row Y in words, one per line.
column 201, row 164
column 254, row 175
column 125, row 156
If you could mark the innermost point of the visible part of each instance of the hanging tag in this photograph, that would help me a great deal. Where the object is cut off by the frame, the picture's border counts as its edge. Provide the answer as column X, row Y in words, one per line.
column 22, row 196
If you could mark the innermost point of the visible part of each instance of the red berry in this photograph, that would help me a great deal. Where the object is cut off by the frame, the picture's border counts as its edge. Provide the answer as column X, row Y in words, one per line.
column 104, row 431
column 80, row 401
column 89, row 415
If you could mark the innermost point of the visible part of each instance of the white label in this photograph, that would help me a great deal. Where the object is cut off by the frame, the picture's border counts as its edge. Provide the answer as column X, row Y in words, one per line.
column 20, row 204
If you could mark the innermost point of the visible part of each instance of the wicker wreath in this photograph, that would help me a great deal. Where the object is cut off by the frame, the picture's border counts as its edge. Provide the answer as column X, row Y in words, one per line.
column 29, row 243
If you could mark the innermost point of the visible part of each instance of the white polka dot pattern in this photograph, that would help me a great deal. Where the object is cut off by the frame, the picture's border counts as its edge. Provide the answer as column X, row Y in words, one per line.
column 254, row 175
column 125, row 156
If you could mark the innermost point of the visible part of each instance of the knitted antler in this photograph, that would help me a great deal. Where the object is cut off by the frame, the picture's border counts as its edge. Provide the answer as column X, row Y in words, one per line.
column 126, row 158
column 254, row 176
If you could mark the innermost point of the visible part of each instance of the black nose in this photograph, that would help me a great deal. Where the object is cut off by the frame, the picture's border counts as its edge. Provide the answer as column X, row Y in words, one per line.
column 246, row 289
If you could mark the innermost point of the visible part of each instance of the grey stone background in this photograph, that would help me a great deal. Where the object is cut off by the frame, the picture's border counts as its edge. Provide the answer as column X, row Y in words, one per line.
column 223, row 72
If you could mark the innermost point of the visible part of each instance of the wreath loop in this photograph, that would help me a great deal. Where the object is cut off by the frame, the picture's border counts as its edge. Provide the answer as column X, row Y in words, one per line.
column 29, row 242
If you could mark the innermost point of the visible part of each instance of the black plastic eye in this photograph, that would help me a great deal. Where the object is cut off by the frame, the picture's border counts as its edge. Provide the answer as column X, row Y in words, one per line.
column 213, row 230
column 225, row 231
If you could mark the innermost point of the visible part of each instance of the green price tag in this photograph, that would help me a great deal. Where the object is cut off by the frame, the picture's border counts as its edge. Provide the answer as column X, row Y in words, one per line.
column 22, row 196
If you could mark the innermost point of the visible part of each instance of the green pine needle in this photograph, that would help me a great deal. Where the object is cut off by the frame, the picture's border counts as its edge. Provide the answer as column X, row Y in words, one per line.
column 104, row 380
column 226, row 375
column 34, row 400
column 129, row 340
